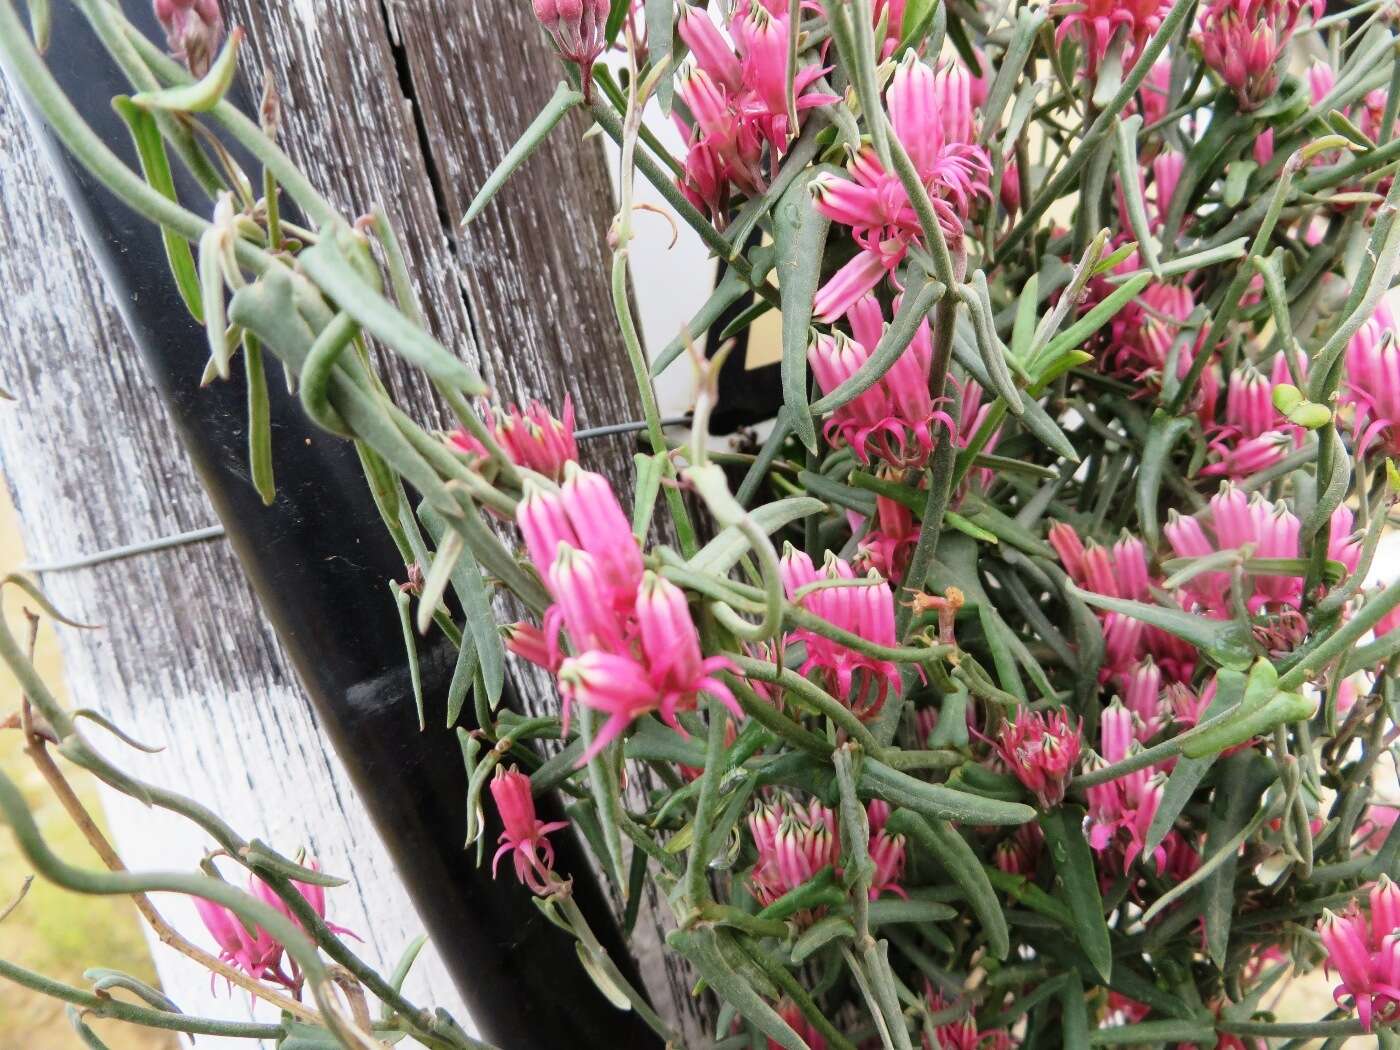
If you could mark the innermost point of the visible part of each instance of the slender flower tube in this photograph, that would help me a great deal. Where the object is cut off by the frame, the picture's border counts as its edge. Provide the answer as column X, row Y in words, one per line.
column 525, row 834
column 1372, row 386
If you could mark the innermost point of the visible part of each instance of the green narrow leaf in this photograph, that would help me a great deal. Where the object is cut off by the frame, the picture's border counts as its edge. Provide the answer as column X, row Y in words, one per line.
column 469, row 584
column 1079, row 883
column 701, row 948
column 1187, row 774
column 1243, row 780
column 1074, row 1013
column 401, row 602
column 1228, row 643
column 1130, row 180
column 946, row 845
column 1154, row 1033
column 1013, row 60
column 936, row 801
column 799, row 235
column 155, row 167
column 259, row 421
column 724, row 551
column 1163, row 433
column 1023, row 329
column 555, row 110
column 660, row 19
column 205, row 93
column 1096, row 318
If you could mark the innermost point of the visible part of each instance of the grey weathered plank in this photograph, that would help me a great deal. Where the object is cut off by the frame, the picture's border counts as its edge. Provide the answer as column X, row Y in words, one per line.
column 405, row 105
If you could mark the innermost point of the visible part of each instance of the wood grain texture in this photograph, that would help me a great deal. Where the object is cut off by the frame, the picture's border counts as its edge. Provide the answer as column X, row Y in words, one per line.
column 406, row 105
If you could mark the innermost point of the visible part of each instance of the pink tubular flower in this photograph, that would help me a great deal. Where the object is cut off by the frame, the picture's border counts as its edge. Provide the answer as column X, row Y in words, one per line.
column 524, row 834
column 1372, row 385
column 887, row 852
column 932, row 114
column 254, row 950
column 1019, row 854
column 893, row 418
column 1366, row 954
column 1255, row 434
column 1041, row 750
column 536, row 440
column 1243, row 41
column 576, row 27
column 867, row 609
column 1121, row 810
column 603, row 530
column 1269, row 530
column 671, row 647
column 1097, row 22
column 194, row 29
column 528, row 642
column 257, row 953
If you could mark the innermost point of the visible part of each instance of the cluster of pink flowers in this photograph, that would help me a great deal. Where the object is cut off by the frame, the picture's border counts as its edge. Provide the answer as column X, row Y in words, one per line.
column 1121, row 571
column 795, row 842
column 1041, row 749
column 524, row 834
column 895, row 418
column 931, row 111
column 1365, row 953
column 1243, row 41
column 1372, row 386
column 533, row 439
column 865, row 608
column 253, row 949
column 737, row 94
column 1269, row 530
column 1097, row 23
column 1121, row 810
column 636, row 648
column 576, row 27
column 1254, row 435
column 1142, row 334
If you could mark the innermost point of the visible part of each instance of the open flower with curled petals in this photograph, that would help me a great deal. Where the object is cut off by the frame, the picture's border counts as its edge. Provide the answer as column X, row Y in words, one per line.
column 524, row 835
column 1243, row 41
column 1365, row 954
column 1098, row 24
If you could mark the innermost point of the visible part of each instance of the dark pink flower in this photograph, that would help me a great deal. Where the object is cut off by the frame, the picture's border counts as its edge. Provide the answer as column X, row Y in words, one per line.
column 794, row 843
column 1365, row 953
column 1041, row 750
column 1244, row 40
column 525, row 834
column 1096, row 23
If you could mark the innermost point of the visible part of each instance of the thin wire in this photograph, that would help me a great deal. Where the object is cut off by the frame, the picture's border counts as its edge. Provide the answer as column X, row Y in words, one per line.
column 215, row 532
column 130, row 550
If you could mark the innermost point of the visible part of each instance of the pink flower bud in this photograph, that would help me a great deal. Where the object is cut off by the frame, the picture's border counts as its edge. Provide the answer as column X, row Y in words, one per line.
column 536, row 440
column 194, row 29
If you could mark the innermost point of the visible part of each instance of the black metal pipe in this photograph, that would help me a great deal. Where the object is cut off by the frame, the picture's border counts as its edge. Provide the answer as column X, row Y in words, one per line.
column 318, row 559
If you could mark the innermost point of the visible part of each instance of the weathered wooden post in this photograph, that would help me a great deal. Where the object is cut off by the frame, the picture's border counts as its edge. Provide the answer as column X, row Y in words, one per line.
column 185, row 653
